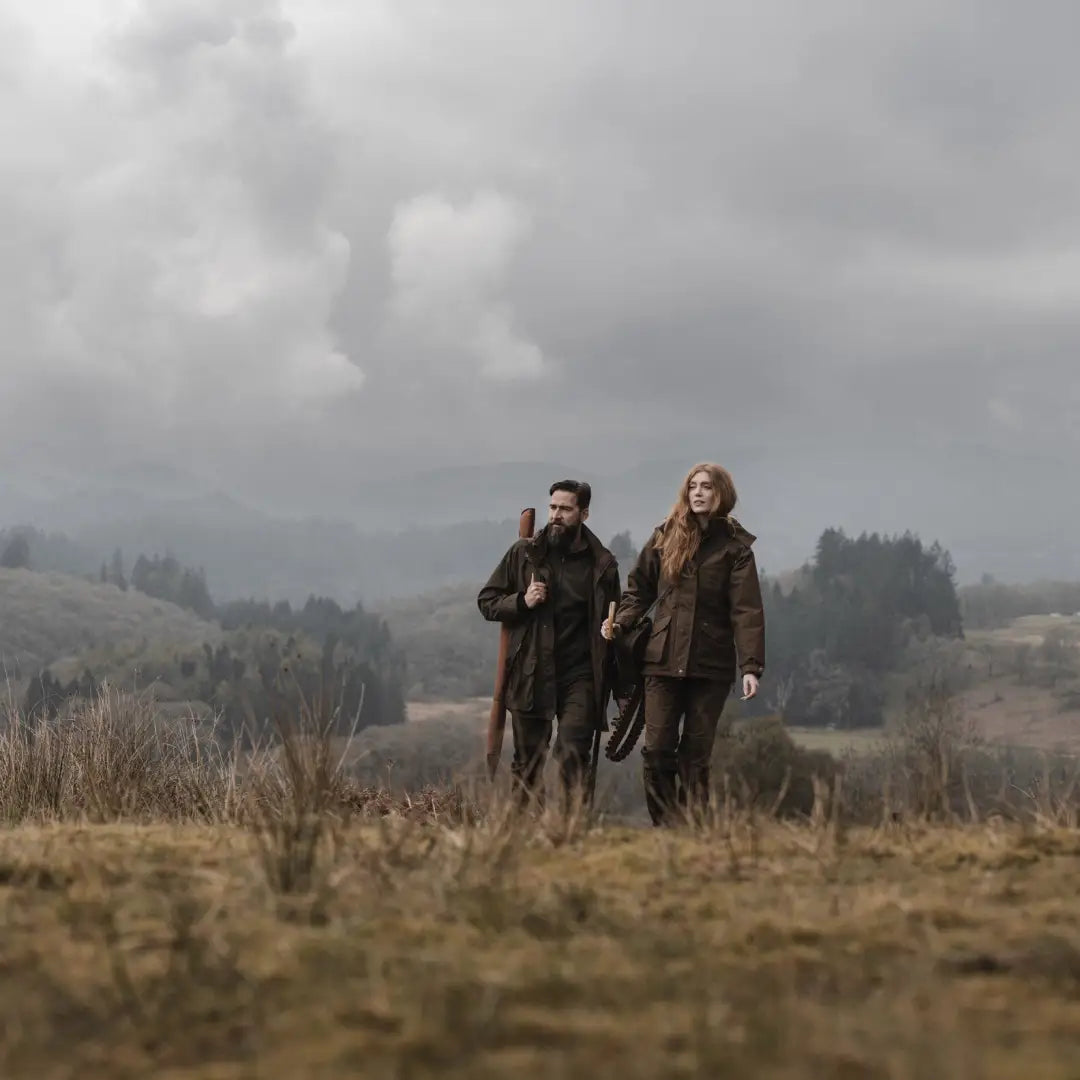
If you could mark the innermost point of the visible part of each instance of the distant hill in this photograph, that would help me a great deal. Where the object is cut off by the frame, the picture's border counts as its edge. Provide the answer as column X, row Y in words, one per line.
column 253, row 556
column 451, row 648
column 45, row 617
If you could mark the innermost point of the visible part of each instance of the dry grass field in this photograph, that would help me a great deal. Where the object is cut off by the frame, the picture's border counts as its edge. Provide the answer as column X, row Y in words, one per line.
column 1004, row 712
column 423, row 950
column 168, row 912
column 1029, row 629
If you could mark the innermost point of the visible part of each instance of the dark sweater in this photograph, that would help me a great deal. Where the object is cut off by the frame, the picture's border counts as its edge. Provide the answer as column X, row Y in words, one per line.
column 572, row 573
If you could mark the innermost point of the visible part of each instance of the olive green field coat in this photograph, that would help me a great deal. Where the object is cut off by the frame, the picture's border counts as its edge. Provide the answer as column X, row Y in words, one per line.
column 530, row 660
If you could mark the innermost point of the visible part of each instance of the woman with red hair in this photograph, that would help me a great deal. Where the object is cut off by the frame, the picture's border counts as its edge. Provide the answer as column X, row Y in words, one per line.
column 709, row 625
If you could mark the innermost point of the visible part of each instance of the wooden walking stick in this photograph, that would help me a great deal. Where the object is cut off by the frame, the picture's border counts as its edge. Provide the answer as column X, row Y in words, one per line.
column 497, row 716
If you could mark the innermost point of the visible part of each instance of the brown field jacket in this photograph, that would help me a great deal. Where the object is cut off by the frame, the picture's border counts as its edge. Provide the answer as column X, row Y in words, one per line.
column 711, row 621
column 530, row 663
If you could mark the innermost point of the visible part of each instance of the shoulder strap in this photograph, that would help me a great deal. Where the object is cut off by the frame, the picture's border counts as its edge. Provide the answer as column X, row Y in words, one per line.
column 647, row 613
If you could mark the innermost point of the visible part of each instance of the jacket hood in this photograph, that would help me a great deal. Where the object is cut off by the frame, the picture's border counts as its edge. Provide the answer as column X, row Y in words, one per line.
column 740, row 532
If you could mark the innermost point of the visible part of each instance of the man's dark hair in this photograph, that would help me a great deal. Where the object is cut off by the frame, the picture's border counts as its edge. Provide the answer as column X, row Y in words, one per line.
column 580, row 489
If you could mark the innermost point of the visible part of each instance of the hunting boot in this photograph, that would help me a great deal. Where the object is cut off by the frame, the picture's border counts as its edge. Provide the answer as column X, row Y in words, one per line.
column 531, row 734
column 694, row 792
column 527, row 784
column 661, row 777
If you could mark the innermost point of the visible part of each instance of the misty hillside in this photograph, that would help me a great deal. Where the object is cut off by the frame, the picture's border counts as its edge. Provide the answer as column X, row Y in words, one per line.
column 402, row 535
column 451, row 648
column 291, row 560
column 47, row 616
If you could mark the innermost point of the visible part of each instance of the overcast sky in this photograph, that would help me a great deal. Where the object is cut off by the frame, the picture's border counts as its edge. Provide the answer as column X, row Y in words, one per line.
column 273, row 243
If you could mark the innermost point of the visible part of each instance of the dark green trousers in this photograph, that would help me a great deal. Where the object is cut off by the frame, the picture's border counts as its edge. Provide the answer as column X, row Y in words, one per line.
column 575, row 712
column 681, row 719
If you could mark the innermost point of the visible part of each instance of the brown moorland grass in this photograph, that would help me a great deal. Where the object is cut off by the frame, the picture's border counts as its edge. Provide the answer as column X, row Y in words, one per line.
column 425, row 950
column 169, row 913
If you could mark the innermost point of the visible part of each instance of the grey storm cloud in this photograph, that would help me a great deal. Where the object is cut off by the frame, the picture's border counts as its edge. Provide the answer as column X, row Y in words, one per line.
column 174, row 271
column 275, row 240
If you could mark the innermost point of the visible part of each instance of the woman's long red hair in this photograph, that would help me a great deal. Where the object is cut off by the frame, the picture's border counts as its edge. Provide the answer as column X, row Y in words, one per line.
column 680, row 535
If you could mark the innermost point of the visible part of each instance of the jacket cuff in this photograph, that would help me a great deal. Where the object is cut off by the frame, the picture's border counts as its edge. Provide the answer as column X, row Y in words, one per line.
column 752, row 667
column 522, row 607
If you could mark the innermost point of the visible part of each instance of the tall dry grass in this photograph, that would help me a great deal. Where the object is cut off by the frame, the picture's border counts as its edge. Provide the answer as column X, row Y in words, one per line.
column 110, row 759
column 115, row 758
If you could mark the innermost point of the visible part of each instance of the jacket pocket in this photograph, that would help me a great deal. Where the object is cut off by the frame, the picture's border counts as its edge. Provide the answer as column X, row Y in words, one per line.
column 520, row 667
column 716, row 631
column 522, row 689
column 654, row 650
column 714, row 649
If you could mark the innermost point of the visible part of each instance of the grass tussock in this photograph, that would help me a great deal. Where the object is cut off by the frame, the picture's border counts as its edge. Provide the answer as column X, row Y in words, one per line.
column 116, row 759
column 112, row 758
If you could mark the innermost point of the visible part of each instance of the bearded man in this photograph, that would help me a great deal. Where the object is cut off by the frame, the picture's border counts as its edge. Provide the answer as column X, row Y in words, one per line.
column 552, row 591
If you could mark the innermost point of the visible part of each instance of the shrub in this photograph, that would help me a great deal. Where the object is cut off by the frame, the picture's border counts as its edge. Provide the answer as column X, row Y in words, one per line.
column 766, row 768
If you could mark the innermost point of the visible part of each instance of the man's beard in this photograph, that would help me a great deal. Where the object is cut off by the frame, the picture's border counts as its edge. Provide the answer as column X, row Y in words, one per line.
column 564, row 536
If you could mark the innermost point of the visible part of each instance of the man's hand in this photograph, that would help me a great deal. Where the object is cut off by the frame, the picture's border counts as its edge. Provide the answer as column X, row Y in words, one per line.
column 536, row 593
column 609, row 631
column 749, row 687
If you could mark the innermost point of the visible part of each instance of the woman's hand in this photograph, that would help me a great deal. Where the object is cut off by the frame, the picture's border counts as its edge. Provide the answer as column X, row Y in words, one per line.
column 749, row 687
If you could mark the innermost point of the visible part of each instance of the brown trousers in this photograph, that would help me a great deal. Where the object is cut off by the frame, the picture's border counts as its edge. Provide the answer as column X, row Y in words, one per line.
column 676, row 765
column 575, row 710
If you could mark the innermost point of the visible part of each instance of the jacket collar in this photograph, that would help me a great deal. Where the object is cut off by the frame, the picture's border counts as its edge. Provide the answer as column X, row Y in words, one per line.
column 729, row 527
